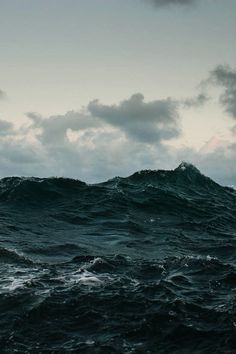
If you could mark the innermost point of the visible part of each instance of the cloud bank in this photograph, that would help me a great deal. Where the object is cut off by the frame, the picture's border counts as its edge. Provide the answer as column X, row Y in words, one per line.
column 93, row 144
column 102, row 141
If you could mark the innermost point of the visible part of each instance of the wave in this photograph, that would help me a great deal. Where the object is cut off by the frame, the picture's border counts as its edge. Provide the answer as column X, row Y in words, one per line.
column 183, row 197
column 185, row 177
column 139, row 264
column 36, row 189
column 13, row 256
column 117, row 304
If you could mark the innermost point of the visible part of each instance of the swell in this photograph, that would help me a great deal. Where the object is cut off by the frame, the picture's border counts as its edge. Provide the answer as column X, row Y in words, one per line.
column 179, row 193
column 132, row 265
column 37, row 189
column 186, row 181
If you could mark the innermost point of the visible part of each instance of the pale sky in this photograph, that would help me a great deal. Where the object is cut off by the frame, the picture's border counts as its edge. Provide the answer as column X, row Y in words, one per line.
column 158, row 73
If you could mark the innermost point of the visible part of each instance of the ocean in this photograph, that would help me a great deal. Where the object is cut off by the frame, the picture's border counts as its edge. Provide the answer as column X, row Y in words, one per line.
column 143, row 264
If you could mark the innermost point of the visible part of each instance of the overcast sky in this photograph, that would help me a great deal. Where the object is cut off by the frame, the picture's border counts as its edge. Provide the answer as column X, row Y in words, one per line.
column 91, row 89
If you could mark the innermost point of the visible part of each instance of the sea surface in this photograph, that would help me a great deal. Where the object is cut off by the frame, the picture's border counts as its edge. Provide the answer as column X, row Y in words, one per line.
column 143, row 264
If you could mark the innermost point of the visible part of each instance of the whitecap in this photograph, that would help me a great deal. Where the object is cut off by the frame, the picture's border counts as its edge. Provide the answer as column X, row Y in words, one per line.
column 12, row 283
column 83, row 277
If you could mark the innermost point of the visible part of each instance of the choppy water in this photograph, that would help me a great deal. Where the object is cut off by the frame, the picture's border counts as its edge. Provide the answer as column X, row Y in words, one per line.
column 144, row 264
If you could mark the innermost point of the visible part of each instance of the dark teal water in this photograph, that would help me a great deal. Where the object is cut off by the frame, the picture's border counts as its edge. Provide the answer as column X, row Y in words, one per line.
column 144, row 264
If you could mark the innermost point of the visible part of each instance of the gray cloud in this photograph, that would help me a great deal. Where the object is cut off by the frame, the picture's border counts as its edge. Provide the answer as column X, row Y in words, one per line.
column 150, row 122
column 145, row 122
column 233, row 129
column 195, row 102
column 172, row 2
column 18, row 156
column 53, row 130
column 18, row 152
column 6, row 128
column 2, row 94
column 225, row 77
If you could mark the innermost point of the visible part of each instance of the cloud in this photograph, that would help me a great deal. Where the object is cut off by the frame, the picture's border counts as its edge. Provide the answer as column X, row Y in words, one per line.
column 92, row 144
column 149, row 122
column 225, row 77
column 195, row 102
column 2, row 94
column 53, row 130
column 6, row 128
column 95, row 154
column 102, row 141
column 172, row 2
column 145, row 122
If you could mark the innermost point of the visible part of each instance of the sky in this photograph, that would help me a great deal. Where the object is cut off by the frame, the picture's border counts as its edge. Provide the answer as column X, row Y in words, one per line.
column 92, row 89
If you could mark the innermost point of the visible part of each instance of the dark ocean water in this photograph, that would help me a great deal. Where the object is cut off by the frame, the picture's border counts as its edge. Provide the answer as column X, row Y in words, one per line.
column 144, row 264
